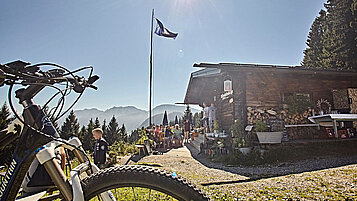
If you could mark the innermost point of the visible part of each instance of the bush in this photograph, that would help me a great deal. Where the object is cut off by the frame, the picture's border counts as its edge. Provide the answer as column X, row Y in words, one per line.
column 297, row 104
column 261, row 126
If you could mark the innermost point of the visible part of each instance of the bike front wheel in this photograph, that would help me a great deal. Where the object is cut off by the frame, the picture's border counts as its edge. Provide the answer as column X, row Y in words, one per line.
column 140, row 183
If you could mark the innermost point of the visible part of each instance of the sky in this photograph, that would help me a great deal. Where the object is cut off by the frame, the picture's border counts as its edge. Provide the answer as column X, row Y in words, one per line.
column 113, row 36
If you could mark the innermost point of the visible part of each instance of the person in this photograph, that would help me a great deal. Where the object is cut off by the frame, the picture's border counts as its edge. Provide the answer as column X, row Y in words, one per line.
column 100, row 148
column 177, row 136
column 205, row 117
column 187, row 129
column 211, row 116
column 157, row 134
column 168, row 136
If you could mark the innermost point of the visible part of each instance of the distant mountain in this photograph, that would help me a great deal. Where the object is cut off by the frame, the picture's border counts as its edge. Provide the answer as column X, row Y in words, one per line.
column 131, row 116
column 157, row 119
column 172, row 112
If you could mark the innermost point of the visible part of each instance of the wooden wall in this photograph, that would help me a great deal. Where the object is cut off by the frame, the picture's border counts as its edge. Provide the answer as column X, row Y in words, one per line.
column 267, row 89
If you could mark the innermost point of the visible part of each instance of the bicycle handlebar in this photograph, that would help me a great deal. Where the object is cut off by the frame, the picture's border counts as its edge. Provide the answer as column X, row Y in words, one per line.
column 37, row 79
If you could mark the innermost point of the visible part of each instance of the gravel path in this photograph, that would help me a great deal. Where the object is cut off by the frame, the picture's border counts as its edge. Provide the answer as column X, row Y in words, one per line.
column 321, row 179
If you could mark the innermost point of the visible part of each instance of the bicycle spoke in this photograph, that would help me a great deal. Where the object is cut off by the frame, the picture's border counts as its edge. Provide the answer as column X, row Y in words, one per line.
column 133, row 192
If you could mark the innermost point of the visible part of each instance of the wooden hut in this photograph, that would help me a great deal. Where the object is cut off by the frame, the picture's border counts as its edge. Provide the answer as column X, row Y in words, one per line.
column 249, row 92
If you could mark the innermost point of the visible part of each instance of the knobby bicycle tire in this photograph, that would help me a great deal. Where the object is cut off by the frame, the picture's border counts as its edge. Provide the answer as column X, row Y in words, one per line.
column 140, row 176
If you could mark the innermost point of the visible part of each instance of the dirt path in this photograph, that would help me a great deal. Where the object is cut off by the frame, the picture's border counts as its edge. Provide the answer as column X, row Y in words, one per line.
column 331, row 184
column 181, row 161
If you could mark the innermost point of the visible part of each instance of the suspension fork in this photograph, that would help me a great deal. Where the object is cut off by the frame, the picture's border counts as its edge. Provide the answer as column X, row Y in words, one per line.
column 47, row 157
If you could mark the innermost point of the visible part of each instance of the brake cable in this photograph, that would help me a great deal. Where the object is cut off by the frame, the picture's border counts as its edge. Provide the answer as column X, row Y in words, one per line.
column 40, row 132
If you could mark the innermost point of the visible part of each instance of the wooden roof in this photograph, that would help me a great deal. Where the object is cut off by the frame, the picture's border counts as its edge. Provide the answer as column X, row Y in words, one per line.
column 275, row 68
column 202, row 83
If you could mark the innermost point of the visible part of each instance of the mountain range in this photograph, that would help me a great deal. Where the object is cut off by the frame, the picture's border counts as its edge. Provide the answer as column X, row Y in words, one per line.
column 130, row 116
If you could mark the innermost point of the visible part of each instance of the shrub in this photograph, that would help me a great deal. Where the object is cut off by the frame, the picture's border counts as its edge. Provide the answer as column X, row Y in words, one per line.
column 260, row 126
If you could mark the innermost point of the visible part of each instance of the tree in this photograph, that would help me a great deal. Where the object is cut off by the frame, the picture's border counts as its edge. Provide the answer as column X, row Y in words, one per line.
column 5, row 117
column 123, row 134
column 5, row 121
column 332, row 41
column 82, row 133
column 113, row 131
column 340, row 38
column 198, row 116
column 313, row 54
column 134, row 136
column 88, row 140
column 96, row 123
column 70, row 126
column 105, row 129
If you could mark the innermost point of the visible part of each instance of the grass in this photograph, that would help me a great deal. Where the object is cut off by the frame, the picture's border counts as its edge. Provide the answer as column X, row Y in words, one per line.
column 329, row 184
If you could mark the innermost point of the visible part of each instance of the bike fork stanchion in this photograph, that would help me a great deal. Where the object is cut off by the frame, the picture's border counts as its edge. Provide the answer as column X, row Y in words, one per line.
column 46, row 156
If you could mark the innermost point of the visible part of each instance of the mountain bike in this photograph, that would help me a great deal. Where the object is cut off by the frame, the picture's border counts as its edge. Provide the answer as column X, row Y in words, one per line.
column 39, row 139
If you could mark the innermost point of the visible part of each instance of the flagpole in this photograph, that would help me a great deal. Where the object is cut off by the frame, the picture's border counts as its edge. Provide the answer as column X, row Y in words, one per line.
column 151, row 67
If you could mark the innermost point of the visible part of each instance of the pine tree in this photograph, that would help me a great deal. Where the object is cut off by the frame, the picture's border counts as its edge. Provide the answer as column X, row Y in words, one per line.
column 97, row 123
column 113, row 131
column 70, row 126
column 353, row 25
column 340, row 37
column 332, row 41
column 88, row 140
column 134, row 136
column 5, row 121
column 123, row 134
column 5, row 117
column 105, row 129
column 82, row 133
column 313, row 54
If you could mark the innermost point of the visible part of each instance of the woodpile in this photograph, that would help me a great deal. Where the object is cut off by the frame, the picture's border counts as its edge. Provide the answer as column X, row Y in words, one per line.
column 261, row 114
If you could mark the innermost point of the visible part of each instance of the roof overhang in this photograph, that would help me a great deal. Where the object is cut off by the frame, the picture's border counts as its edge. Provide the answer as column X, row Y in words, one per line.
column 276, row 68
column 200, row 85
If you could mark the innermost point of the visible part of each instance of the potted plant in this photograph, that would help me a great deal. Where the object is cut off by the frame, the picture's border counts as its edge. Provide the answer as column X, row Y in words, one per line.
column 217, row 127
column 243, row 145
column 241, row 140
column 265, row 136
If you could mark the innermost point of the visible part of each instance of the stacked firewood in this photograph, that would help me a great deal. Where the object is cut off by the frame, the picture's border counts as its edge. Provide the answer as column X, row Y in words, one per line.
column 261, row 114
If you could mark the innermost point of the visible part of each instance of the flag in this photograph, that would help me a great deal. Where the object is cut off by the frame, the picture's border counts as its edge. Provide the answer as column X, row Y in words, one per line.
column 162, row 31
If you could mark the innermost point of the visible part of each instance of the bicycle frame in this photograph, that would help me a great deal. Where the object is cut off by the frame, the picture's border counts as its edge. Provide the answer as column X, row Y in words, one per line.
column 32, row 141
column 24, row 154
column 38, row 133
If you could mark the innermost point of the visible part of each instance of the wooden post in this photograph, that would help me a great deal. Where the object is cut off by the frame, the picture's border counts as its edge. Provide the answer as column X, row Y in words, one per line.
column 335, row 127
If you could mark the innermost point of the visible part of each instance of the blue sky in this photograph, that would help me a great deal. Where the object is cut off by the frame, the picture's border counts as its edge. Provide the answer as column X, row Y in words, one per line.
column 114, row 37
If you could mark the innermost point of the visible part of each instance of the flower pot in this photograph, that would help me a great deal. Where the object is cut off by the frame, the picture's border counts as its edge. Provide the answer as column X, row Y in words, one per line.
column 245, row 150
column 269, row 137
